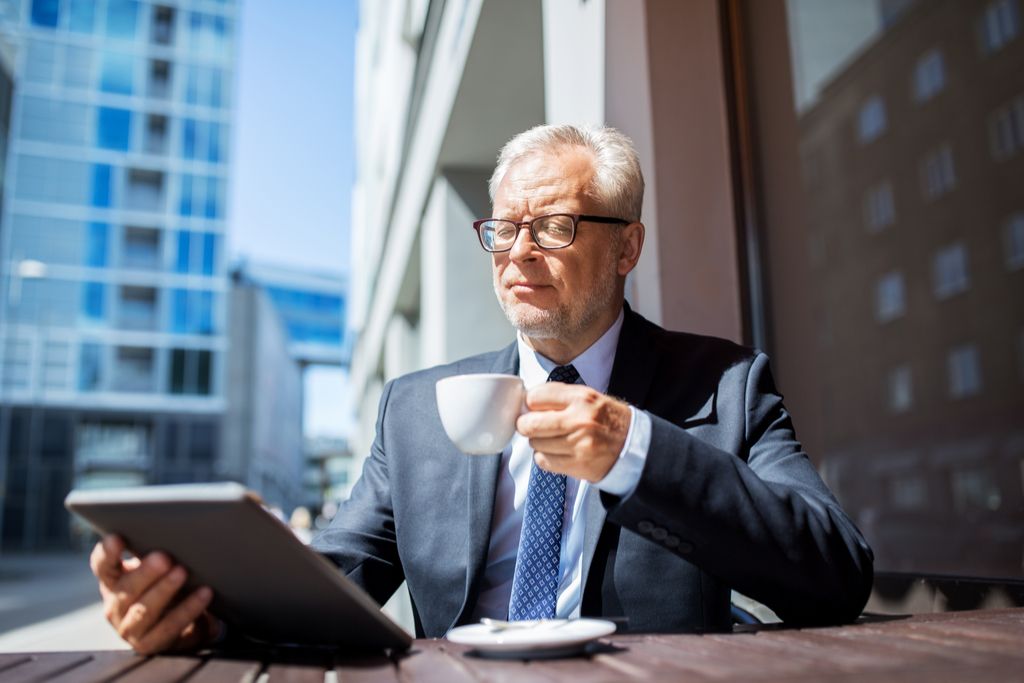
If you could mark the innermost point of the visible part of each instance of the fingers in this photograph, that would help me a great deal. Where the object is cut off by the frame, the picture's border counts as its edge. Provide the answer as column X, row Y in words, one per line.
column 178, row 627
column 145, row 574
column 105, row 560
column 555, row 395
column 142, row 614
column 543, row 423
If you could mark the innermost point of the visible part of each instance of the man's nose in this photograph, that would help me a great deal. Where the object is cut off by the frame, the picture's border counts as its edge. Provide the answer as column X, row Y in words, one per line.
column 523, row 247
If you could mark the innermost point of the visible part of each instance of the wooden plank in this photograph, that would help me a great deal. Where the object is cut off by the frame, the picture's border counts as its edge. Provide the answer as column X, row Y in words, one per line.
column 13, row 659
column 221, row 670
column 631, row 657
column 295, row 673
column 349, row 668
column 287, row 665
column 429, row 661
column 41, row 667
column 500, row 670
column 105, row 665
column 162, row 669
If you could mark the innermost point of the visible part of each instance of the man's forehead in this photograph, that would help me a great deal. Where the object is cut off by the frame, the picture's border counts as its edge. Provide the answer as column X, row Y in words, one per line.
column 546, row 178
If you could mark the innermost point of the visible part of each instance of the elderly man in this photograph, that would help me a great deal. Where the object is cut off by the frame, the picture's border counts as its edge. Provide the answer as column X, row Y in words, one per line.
column 653, row 472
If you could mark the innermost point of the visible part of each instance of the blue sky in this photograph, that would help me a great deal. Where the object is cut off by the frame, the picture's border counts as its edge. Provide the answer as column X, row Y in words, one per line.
column 293, row 156
column 293, row 143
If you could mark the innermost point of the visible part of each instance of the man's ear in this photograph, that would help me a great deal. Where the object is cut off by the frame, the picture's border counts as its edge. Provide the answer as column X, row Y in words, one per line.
column 632, row 245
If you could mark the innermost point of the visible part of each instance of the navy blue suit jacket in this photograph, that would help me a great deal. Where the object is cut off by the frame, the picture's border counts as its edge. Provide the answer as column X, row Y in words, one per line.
column 727, row 500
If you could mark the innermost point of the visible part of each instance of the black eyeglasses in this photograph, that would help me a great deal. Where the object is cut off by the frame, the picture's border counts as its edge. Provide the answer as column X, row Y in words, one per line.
column 554, row 231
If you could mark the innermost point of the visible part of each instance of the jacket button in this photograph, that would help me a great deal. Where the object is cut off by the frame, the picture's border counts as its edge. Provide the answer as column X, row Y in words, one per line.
column 671, row 542
column 659, row 534
column 645, row 527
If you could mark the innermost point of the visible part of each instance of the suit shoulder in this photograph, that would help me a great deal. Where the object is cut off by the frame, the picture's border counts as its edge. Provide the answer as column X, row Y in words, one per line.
column 483, row 362
column 699, row 346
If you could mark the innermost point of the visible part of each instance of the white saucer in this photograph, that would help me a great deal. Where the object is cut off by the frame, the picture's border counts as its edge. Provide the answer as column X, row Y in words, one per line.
column 552, row 638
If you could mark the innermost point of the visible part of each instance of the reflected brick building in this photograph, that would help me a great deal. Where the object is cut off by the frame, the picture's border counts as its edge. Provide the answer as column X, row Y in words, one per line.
column 913, row 172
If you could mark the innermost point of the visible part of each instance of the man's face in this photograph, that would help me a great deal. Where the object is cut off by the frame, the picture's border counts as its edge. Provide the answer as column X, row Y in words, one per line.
column 560, row 293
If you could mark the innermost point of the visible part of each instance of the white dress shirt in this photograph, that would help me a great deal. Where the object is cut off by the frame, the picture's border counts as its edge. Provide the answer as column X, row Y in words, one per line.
column 595, row 368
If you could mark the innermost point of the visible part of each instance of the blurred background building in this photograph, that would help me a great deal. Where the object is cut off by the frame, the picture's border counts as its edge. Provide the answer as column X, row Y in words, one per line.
column 284, row 322
column 838, row 183
column 114, row 296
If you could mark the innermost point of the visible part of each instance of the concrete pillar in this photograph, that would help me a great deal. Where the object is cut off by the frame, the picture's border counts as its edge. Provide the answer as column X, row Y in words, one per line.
column 459, row 314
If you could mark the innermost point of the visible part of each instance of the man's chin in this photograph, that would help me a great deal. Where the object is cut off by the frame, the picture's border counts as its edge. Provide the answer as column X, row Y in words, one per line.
column 536, row 323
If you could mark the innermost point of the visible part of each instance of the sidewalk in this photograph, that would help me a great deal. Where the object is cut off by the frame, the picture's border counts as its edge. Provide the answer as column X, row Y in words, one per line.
column 50, row 602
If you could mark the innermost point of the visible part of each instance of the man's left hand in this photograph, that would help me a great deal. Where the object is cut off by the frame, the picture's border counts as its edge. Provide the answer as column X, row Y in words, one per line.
column 574, row 430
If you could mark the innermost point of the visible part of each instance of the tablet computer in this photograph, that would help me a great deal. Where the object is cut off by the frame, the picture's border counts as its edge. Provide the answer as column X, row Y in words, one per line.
column 266, row 583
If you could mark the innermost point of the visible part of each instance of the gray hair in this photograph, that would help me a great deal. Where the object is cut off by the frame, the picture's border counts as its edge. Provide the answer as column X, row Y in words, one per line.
column 618, row 183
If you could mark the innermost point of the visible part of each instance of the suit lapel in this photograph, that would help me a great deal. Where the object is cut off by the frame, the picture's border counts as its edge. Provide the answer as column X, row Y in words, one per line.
column 483, row 473
column 632, row 375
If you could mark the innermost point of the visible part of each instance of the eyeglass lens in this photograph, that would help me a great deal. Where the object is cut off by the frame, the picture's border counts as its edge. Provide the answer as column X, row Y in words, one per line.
column 548, row 231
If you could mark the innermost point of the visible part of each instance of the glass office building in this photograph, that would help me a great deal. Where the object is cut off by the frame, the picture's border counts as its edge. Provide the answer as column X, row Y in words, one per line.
column 114, row 284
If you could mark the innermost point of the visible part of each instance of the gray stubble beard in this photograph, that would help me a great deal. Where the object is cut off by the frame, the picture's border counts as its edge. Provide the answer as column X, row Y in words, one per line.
column 564, row 323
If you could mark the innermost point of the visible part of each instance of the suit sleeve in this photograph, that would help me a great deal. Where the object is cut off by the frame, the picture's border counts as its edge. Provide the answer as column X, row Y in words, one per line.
column 361, row 538
column 762, row 521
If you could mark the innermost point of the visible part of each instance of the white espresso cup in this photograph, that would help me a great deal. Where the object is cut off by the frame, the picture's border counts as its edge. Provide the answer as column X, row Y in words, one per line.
column 479, row 412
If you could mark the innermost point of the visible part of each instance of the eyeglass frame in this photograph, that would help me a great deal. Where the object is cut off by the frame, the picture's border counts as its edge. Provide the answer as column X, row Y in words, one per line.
column 577, row 218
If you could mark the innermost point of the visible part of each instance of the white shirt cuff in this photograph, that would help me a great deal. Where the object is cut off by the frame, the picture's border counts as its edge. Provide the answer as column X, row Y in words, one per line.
column 624, row 475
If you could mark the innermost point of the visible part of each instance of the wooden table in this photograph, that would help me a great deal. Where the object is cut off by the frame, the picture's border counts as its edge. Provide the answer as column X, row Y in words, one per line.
column 960, row 646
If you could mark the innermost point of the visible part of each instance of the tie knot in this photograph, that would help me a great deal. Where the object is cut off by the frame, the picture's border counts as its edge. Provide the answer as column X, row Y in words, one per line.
column 564, row 373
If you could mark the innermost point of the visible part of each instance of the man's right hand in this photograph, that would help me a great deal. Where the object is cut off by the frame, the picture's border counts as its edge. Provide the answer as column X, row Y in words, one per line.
column 141, row 600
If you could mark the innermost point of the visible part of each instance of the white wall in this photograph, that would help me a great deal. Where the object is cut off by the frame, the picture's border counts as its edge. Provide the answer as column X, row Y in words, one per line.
column 460, row 315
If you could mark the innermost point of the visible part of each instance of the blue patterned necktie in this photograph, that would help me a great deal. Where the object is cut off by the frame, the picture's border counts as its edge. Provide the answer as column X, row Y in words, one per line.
column 535, row 582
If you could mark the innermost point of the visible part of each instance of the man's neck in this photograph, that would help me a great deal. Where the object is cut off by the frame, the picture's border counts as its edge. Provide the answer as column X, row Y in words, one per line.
column 563, row 351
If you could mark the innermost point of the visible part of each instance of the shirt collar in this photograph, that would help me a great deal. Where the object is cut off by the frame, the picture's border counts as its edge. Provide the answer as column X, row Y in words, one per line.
column 594, row 364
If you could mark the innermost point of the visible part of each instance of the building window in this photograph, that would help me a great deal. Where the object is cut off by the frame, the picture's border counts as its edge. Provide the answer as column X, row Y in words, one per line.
column 138, row 308
column 17, row 359
column 197, row 253
column 871, row 119
column 121, row 18
column 203, row 85
column 975, row 489
column 159, row 79
column 949, row 271
column 929, row 75
column 133, row 369
column 938, row 174
column 101, row 185
column 879, row 208
column 156, row 134
column 901, row 390
column 163, row 25
column 1006, row 129
column 999, row 24
column 201, row 196
column 190, row 371
column 890, row 300
column 144, row 190
column 192, row 312
column 141, row 248
column 90, row 366
column 201, row 140
column 114, row 128
column 117, row 73
column 45, row 13
column 964, row 371
column 94, row 295
column 96, row 245
column 1014, row 232
column 56, row 366
column 83, row 16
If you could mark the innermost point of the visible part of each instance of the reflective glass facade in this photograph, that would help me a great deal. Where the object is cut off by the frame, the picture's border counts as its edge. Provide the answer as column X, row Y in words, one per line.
column 113, row 276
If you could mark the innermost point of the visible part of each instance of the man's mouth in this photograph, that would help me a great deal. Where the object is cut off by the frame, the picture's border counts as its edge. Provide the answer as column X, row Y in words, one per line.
column 524, row 286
